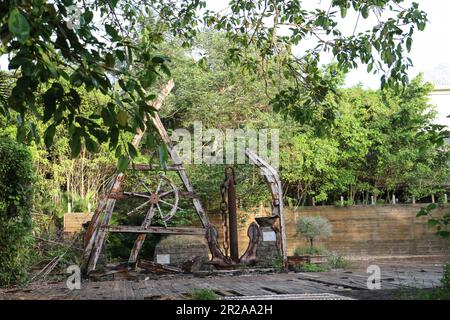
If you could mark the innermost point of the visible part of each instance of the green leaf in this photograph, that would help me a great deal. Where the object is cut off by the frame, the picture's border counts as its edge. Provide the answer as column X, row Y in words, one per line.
column 18, row 25
column 132, row 151
column 365, row 11
column 122, row 118
column 112, row 31
column 166, row 70
column 75, row 145
column 432, row 222
column 122, row 163
column 408, row 44
column 421, row 213
column 158, row 59
column 108, row 115
column 91, row 145
column 49, row 135
column 343, row 11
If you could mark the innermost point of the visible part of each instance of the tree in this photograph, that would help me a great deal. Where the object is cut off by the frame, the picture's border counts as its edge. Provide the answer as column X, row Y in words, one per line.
column 16, row 190
column 313, row 227
column 52, row 41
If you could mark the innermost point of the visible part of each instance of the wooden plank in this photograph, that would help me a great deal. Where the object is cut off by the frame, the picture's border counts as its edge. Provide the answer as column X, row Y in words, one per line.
column 162, row 230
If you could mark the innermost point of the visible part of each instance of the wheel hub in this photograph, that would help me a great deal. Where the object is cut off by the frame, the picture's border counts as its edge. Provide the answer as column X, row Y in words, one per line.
column 154, row 198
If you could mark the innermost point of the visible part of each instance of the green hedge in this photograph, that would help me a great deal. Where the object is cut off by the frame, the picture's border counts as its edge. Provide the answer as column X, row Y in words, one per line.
column 16, row 193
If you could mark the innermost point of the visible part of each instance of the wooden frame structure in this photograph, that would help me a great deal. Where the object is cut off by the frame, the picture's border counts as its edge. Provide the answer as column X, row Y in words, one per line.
column 99, row 226
column 100, row 223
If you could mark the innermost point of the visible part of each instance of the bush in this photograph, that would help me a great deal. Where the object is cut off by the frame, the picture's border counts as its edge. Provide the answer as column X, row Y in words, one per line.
column 313, row 227
column 312, row 267
column 16, row 192
column 338, row 262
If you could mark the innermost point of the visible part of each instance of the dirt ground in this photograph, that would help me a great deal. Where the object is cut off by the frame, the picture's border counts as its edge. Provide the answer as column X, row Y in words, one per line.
column 400, row 279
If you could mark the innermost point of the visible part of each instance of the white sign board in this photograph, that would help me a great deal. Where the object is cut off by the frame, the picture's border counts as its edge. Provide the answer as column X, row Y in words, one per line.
column 163, row 258
column 269, row 236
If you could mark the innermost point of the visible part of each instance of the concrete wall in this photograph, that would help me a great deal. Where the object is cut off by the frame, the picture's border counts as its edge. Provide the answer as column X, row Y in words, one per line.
column 358, row 231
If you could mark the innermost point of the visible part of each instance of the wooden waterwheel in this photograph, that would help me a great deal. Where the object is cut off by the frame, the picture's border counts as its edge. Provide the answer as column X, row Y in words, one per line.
column 162, row 199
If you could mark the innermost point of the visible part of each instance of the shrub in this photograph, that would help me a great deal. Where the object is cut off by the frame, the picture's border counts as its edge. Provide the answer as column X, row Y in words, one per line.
column 336, row 261
column 16, row 182
column 203, row 294
column 312, row 267
column 313, row 227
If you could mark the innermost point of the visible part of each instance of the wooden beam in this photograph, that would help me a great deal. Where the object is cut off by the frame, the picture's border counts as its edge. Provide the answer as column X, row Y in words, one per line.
column 162, row 230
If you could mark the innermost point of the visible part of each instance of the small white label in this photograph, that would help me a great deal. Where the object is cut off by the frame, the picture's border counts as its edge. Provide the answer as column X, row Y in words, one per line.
column 163, row 258
column 269, row 236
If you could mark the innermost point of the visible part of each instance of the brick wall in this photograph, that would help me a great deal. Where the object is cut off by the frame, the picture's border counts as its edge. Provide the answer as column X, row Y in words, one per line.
column 380, row 230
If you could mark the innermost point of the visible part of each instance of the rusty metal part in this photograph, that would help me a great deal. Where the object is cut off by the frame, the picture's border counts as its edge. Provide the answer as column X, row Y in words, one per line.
column 230, row 184
column 276, row 190
column 224, row 216
column 254, row 234
column 218, row 259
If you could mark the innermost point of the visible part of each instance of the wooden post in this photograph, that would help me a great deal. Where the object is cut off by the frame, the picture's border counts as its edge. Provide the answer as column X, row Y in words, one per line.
column 69, row 207
column 414, row 199
column 432, row 198
column 313, row 201
column 342, row 201
column 393, row 198
column 372, row 200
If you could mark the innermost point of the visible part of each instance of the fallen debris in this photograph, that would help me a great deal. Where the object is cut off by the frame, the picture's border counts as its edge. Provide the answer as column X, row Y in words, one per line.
column 153, row 267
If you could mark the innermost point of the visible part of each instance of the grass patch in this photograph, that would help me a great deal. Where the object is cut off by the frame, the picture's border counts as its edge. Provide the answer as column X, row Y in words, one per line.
column 203, row 294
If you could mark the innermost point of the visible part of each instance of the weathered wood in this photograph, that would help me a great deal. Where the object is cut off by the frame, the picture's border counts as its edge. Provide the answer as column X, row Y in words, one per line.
column 98, row 235
column 181, row 172
column 162, row 230
column 141, row 237
column 154, row 267
column 95, row 236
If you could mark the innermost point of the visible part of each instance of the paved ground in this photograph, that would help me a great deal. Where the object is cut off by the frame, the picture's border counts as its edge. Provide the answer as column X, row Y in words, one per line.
column 396, row 277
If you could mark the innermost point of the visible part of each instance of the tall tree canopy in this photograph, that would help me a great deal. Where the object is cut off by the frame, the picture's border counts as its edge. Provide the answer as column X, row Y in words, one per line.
column 64, row 45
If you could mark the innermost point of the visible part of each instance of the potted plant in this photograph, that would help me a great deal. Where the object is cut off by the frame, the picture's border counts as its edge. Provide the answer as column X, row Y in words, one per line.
column 311, row 228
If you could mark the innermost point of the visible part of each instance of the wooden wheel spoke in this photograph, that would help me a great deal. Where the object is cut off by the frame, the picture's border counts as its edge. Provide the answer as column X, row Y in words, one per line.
column 147, row 188
column 164, row 194
column 170, row 204
column 159, row 186
column 138, row 194
column 138, row 207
